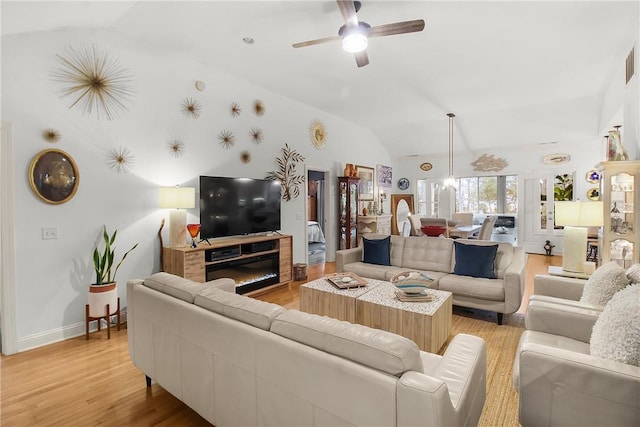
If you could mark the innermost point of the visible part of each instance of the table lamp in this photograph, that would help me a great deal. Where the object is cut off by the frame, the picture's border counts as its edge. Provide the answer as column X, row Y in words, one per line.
column 576, row 217
column 178, row 199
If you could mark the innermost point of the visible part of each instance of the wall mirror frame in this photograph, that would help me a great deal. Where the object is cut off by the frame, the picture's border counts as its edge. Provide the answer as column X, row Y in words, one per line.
column 395, row 199
column 54, row 176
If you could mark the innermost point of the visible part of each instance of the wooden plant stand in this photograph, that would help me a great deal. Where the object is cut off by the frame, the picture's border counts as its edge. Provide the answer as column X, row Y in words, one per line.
column 107, row 318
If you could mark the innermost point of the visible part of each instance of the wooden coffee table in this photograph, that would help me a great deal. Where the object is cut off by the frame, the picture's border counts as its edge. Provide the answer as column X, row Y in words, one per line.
column 428, row 324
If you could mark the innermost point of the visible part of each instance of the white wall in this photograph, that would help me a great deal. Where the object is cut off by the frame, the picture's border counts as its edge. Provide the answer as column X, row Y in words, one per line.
column 51, row 276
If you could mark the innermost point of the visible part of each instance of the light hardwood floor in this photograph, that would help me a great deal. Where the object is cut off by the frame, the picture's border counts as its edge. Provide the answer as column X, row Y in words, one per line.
column 93, row 383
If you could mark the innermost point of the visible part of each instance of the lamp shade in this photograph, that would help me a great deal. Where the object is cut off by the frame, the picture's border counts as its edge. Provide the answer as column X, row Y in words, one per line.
column 177, row 197
column 579, row 214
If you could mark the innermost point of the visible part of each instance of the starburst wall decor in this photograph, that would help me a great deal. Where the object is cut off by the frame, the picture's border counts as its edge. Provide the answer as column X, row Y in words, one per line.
column 176, row 147
column 256, row 135
column 258, row 108
column 51, row 135
column 226, row 138
column 120, row 159
column 191, row 108
column 98, row 82
column 235, row 110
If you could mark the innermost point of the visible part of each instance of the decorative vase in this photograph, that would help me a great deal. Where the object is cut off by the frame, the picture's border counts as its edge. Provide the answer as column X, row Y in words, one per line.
column 100, row 296
column 615, row 149
column 347, row 169
column 364, row 211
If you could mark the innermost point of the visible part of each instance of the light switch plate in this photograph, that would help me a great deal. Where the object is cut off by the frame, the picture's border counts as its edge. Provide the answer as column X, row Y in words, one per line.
column 49, row 233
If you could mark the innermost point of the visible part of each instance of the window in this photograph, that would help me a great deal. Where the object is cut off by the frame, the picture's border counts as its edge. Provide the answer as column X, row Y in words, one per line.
column 478, row 194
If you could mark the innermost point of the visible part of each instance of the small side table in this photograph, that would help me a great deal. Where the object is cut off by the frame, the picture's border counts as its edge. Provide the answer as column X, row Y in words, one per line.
column 107, row 318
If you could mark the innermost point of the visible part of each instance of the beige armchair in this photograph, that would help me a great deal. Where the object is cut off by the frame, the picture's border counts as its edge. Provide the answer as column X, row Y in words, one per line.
column 557, row 379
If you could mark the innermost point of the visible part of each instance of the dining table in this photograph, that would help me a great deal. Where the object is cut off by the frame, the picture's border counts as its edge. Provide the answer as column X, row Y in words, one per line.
column 464, row 231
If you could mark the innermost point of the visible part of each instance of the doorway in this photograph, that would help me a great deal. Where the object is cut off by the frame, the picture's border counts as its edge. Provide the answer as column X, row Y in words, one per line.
column 537, row 204
column 316, row 216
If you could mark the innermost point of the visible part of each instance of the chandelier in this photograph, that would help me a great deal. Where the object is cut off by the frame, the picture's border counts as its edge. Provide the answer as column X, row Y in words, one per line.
column 450, row 181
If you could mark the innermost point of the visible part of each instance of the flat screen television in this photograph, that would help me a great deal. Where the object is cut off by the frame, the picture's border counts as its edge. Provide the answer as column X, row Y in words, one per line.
column 238, row 206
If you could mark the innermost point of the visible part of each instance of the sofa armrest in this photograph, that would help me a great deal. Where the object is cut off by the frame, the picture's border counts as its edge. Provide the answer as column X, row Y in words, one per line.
column 454, row 395
column 224, row 284
column 347, row 256
column 562, row 387
column 558, row 286
column 514, row 281
column 567, row 321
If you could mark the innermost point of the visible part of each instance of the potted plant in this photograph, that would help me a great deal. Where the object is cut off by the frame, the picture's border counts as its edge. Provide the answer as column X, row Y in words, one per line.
column 104, row 291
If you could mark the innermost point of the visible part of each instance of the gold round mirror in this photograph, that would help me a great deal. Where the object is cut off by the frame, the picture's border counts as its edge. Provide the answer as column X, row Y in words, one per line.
column 54, row 176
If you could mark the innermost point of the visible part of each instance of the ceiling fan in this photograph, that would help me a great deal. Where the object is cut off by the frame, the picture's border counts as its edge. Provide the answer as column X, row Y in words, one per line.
column 354, row 34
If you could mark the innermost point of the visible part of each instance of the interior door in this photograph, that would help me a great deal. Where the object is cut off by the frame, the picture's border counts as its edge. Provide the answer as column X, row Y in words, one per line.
column 537, row 223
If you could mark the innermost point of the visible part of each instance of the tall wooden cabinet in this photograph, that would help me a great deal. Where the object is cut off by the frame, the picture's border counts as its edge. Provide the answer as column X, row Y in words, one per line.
column 347, row 212
column 620, row 239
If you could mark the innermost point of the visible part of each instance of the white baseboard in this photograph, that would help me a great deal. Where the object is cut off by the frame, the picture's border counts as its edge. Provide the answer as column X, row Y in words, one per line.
column 60, row 334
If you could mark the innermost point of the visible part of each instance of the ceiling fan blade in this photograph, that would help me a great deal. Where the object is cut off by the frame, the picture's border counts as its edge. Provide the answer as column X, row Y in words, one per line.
column 348, row 11
column 397, row 28
column 362, row 58
column 317, row 41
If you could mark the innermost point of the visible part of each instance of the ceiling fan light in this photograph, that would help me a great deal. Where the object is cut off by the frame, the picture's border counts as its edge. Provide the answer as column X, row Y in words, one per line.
column 354, row 42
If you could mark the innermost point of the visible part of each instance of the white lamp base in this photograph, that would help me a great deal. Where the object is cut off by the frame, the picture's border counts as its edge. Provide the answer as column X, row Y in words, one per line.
column 574, row 251
column 178, row 228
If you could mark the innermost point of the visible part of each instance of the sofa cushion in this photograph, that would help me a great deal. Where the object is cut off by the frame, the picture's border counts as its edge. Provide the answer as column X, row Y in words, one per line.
column 244, row 309
column 633, row 273
column 381, row 350
column 616, row 333
column 176, row 286
column 377, row 251
column 427, row 254
column 603, row 284
column 504, row 256
column 475, row 260
column 473, row 287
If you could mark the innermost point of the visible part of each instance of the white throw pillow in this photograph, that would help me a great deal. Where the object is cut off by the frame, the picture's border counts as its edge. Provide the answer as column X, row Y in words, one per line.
column 633, row 273
column 616, row 333
column 603, row 284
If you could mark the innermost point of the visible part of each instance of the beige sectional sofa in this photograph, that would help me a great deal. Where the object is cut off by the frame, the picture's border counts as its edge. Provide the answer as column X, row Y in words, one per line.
column 240, row 361
column 435, row 256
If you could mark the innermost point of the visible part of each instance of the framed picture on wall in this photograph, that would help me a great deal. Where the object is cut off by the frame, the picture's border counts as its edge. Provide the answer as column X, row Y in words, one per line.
column 366, row 175
column 384, row 176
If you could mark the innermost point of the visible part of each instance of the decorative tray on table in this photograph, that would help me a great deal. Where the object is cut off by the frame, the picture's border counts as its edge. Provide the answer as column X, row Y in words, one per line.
column 412, row 286
column 346, row 280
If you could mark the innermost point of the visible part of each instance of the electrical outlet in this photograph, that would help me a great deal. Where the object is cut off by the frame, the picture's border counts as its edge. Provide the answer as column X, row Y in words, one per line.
column 49, row 233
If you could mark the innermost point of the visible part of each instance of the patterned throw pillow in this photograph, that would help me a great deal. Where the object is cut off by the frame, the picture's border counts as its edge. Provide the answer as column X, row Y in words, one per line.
column 616, row 333
column 603, row 284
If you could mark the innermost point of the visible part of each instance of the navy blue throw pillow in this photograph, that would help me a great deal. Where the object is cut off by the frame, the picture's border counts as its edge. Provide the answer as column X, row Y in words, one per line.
column 377, row 251
column 475, row 260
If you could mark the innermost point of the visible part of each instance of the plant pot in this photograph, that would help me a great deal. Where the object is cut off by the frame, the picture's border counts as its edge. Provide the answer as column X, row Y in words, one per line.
column 100, row 296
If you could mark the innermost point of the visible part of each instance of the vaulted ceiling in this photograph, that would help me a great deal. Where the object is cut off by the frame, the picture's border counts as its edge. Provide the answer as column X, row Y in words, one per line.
column 515, row 73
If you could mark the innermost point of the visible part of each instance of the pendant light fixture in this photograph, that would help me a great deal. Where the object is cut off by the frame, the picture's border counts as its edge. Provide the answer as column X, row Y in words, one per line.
column 450, row 181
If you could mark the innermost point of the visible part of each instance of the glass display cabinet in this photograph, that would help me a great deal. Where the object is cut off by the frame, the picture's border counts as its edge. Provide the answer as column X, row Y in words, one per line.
column 347, row 212
column 620, row 237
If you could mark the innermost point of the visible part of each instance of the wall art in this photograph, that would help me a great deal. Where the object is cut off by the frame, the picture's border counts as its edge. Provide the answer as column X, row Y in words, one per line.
column 51, row 135
column 489, row 163
column 176, row 147
column 235, row 110
column 120, row 159
column 191, row 108
column 200, row 85
column 245, row 156
column 54, row 176
column 556, row 158
column 365, row 187
column 593, row 194
column 592, row 176
column 286, row 173
column 258, row 108
column 317, row 134
column 426, row 166
column 256, row 135
column 385, row 176
column 96, row 80
column 226, row 138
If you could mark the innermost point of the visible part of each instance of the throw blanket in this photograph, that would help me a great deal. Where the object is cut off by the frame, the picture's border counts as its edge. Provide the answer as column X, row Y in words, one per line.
column 315, row 232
